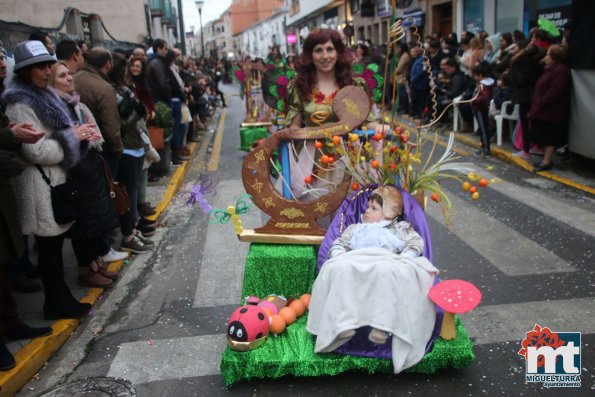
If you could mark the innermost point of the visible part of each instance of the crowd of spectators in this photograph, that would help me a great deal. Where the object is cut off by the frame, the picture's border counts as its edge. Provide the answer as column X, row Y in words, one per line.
column 488, row 70
column 73, row 113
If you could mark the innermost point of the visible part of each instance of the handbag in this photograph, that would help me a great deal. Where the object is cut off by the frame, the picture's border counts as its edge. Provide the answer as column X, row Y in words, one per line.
column 116, row 191
column 66, row 203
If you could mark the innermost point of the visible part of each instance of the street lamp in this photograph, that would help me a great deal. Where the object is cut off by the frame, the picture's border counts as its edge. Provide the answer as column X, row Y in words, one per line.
column 199, row 4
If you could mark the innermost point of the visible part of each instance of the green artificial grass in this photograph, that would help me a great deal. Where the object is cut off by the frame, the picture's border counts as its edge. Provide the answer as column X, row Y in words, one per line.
column 289, row 270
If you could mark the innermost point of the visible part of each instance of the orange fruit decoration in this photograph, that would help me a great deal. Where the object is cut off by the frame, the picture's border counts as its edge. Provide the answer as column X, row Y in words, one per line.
column 355, row 186
column 392, row 166
column 404, row 138
column 306, row 299
column 336, row 139
column 277, row 324
column 289, row 315
column 308, row 179
column 318, row 145
column 475, row 196
column 472, row 189
column 375, row 164
column 435, row 197
column 324, row 159
column 466, row 185
column 298, row 306
column 378, row 136
column 483, row 182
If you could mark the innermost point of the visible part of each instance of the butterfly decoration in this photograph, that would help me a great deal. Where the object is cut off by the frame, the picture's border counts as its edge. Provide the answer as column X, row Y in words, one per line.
column 198, row 194
column 233, row 212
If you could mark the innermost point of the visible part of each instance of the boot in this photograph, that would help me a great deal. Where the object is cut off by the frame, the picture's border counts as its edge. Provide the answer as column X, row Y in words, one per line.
column 91, row 277
column 104, row 271
column 145, row 209
column 177, row 155
column 6, row 359
column 24, row 331
column 72, row 311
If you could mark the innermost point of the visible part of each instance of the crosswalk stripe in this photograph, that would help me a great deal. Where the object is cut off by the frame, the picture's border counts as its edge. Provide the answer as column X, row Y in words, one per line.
column 162, row 359
column 511, row 321
column 578, row 218
column 509, row 251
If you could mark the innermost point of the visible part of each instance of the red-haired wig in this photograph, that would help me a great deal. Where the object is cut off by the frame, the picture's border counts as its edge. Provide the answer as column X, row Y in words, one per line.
column 306, row 71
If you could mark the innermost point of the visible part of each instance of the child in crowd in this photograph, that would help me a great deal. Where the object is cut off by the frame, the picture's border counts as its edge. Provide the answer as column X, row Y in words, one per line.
column 480, row 105
column 502, row 92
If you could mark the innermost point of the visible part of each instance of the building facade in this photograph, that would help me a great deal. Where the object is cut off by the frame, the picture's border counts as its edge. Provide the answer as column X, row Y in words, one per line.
column 258, row 39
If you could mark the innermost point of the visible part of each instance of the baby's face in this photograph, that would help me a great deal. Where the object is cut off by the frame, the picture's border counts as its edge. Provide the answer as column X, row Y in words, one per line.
column 373, row 213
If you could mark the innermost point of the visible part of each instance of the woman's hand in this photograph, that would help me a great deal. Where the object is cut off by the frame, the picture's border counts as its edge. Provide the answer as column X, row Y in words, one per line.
column 87, row 132
column 25, row 133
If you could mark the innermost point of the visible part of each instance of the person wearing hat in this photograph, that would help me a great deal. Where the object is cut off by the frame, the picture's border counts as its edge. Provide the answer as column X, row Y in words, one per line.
column 29, row 100
column 376, row 280
column 12, row 135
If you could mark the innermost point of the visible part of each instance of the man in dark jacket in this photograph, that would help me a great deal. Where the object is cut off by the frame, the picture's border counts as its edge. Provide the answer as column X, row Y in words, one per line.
column 456, row 85
column 158, row 75
column 418, row 83
column 11, row 239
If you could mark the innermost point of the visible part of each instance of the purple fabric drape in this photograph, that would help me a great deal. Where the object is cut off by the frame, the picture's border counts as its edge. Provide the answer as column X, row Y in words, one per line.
column 350, row 211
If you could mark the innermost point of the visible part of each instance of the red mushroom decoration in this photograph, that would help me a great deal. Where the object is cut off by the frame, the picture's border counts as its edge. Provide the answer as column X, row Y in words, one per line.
column 455, row 297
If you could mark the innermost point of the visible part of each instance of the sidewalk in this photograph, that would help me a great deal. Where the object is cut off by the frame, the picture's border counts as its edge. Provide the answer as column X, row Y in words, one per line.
column 31, row 355
column 578, row 173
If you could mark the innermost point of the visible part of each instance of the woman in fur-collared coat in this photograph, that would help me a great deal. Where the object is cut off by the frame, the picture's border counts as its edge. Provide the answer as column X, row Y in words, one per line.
column 29, row 100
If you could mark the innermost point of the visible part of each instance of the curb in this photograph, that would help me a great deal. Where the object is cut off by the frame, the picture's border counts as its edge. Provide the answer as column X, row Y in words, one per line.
column 31, row 357
column 509, row 158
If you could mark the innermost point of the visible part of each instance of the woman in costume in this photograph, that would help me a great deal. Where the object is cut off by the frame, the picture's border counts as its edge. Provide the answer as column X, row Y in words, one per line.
column 323, row 68
column 29, row 100
column 376, row 278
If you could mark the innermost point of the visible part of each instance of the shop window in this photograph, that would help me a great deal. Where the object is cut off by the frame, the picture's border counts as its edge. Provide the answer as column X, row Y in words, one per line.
column 473, row 15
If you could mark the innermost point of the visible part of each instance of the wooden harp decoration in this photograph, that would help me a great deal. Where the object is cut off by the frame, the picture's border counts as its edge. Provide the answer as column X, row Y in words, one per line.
column 289, row 217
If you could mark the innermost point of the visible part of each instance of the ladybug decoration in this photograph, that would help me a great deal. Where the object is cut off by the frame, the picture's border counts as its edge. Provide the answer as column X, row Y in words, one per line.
column 247, row 328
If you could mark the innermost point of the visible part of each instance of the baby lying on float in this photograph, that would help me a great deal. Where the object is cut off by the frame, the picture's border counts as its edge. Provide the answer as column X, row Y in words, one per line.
column 375, row 276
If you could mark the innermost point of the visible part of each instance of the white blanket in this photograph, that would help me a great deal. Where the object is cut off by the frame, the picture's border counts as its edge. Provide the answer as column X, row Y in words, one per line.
column 377, row 288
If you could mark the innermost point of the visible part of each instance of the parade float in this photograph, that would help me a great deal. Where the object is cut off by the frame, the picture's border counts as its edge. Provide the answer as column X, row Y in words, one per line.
column 287, row 252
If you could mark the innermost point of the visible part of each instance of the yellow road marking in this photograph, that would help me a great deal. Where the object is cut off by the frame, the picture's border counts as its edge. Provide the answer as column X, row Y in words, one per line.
column 214, row 161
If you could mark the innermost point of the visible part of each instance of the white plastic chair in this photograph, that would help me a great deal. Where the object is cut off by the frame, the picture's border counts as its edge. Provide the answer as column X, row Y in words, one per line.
column 457, row 117
column 504, row 114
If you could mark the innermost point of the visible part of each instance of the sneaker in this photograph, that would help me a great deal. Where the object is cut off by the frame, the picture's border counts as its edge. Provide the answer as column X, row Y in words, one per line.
column 522, row 155
column 114, row 256
column 135, row 245
column 145, row 240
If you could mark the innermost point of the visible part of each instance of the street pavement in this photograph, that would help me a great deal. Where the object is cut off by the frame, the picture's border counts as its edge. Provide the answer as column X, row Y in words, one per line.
column 528, row 244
